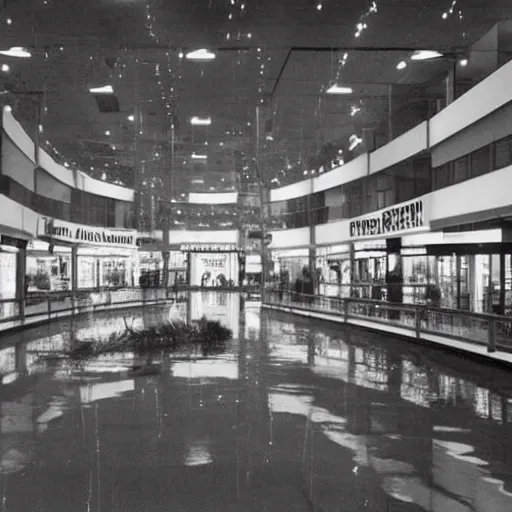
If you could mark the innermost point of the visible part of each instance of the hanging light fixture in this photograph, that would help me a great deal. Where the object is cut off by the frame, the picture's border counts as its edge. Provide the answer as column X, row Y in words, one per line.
column 16, row 51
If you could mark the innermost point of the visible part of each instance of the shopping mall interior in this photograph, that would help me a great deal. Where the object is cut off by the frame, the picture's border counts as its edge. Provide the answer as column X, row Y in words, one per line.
column 251, row 251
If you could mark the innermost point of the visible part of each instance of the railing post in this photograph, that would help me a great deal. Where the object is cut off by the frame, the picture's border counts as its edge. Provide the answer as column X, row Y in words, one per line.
column 345, row 309
column 417, row 321
column 491, row 346
column 49, row 298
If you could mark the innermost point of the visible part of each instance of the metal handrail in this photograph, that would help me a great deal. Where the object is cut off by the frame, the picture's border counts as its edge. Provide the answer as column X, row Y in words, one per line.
column 52, row 304
column 493, row 331
column 404, row 305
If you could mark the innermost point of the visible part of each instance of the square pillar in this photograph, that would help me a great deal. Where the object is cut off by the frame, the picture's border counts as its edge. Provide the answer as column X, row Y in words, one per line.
column 394, row 271
column 21, row 281
column 74, row 268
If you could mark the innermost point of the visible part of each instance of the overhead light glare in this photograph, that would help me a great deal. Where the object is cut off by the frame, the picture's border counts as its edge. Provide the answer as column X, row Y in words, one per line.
column 195, row 156
column 426, row 55
column 401, row 65
column 338, row 89
column 202, row 54
column 16, row 51
column 106, row 89
column 201, row 121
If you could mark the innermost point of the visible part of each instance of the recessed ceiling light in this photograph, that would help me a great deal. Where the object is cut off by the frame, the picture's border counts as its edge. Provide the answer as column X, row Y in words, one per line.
column 106, row 89
column 16, row 51
column 107, row 132
column 6, row 68
column 339, row 89
column 131, row 117
column 201, row 121
column 463, row 62
column 201, row 55
column 401, row 65
column 426, row 55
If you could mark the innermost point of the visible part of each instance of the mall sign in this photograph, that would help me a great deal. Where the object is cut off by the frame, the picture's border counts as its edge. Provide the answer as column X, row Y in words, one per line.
column 209, row 248
column 87, row 235
column 403, row 217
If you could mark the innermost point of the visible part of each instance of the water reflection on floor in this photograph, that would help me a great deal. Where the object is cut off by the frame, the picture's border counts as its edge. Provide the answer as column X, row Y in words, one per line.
column 295, row 416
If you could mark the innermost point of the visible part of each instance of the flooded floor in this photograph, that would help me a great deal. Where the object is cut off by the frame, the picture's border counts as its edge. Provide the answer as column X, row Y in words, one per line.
column 295, row 416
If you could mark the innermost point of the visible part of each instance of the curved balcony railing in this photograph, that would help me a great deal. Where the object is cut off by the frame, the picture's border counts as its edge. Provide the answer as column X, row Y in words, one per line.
column 491, row 331
column 46, row 306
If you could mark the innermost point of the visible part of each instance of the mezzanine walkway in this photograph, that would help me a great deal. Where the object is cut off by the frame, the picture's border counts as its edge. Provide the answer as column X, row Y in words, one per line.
column 479, row 335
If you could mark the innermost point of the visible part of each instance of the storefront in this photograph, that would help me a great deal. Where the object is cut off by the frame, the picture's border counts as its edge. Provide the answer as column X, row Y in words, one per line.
column 253, row 269
column 471, row 270
column 108, row 267
column 11, row 278
column 213, row 265
column 333, row 270
column 151, row 264
column 82, row 257
column 381, row 269
column 290, row 264
column 48, row 267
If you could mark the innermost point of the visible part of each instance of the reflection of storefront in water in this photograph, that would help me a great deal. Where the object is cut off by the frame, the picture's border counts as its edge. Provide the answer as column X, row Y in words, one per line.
column 213, row 265
column 224, row 307
column 333, row 270
column 102, row 257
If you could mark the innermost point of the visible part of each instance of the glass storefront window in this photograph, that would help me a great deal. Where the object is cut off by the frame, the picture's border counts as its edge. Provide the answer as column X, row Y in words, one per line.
column 50, row 272
column 87, row 272
column 8, row 267
column 114, row 272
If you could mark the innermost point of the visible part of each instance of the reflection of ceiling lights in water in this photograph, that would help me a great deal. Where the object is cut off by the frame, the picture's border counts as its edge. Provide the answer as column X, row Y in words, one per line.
column 198, row 455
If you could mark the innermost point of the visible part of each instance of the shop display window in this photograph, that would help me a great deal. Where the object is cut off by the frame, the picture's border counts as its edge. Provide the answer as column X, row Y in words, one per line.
column 114, row 272
column 8, row 268
column 48, row 273
column 87, row 272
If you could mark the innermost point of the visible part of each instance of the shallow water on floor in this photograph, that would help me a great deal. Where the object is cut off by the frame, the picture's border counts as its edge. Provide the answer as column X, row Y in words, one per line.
column 296, row 415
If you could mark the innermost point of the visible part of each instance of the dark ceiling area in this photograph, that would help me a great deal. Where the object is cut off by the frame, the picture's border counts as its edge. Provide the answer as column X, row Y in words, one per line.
column 278, row 55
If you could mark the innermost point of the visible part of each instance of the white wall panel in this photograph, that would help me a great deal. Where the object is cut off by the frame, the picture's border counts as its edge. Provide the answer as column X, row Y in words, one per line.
column 59, row 172
column 48, row 186
column 18, row 134
column 487, row 192
column 333, row 232
column 350, row 171
column 100, row 188
column 290, row 238
column 73, row 179
column 17, row 165
column 484, row 98
column 299, row 189
column 213, row 198
column 17, row 217
column 409, row 144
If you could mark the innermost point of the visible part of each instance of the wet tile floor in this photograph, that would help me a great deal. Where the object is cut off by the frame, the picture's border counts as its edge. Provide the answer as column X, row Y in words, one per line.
column 296, row 415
